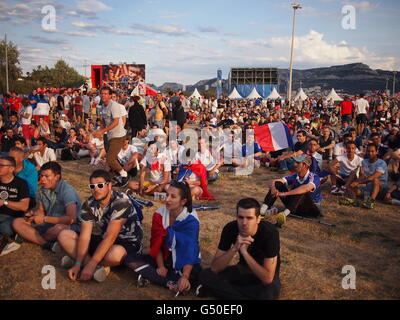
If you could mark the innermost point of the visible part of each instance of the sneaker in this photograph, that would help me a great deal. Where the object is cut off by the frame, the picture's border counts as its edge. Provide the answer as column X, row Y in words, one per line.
column 13, row 246
column 142, row 281
column 201, row 291
column 56, row 248
column 131, row 193
column 49, row 245
column 349, row 202
column 124, row 182
column 3, row 242
column 101, row 274
column 172, row 285
column 272, row 211
column 96, row 161
column 280, row 219
column 67, row 262
column 369, row 203
column 335, row 190
column 92, row 161
column 19, row 239
column 341, row 190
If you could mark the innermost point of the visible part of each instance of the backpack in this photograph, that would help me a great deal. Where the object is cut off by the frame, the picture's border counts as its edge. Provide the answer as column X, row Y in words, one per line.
column 138, row 207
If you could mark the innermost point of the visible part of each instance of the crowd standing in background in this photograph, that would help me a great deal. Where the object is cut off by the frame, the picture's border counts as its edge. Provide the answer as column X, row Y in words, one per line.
column 140, row 144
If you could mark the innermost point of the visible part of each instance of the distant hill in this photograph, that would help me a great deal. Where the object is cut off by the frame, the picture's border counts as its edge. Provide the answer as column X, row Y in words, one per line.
column 350, row 78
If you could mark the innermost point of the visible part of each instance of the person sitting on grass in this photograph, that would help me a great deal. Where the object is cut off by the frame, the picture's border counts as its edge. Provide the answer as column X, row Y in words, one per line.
column 174, row 257
column 58, row 208
column 299, row 192
column 159, row 167
column 374, row 174
column 43, row 153
column 110, row 229
column 27, row 171
column 343, row 168
column 286, row 162
column 14, row 202
column 256, row 276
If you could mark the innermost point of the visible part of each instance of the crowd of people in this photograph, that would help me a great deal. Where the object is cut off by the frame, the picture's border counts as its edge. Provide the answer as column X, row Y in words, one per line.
column 144, row 146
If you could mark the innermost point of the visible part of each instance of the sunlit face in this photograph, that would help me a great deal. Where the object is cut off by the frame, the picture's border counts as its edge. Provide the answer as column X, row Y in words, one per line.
column 174, row 200
column 313, row 146
column 19, row 157
column 247, row 221
column 20, row 145
column 301, row 138
column 6, row 168
column 351, row 149
column 49, row 180
column 105, row 96
column 299, row 166
column 100, row 193
column 372, row 153
column 41, row 145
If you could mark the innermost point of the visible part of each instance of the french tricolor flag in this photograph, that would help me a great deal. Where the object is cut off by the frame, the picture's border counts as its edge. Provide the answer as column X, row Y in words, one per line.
column 273, row 136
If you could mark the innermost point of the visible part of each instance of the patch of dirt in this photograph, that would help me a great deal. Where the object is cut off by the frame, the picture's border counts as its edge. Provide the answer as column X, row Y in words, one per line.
column 312, row 254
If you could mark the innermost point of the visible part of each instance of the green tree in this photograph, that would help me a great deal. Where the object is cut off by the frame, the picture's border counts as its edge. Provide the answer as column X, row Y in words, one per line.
column 14, row 70
column 61, row 75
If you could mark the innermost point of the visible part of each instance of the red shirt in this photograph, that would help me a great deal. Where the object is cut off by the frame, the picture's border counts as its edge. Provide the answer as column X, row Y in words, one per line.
column 15, row 104
column 346, row 107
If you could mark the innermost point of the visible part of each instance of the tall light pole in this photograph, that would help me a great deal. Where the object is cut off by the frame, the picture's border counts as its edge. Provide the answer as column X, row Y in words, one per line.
column 394, row 83
column 295, row 6
column 5, row 40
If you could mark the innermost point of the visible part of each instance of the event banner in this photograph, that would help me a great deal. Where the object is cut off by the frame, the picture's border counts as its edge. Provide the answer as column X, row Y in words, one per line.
column 123, row 73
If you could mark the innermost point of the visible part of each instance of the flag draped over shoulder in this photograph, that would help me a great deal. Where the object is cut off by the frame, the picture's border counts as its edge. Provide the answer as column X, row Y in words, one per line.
column 199, row 169
column 273, row 136
column 181, row 239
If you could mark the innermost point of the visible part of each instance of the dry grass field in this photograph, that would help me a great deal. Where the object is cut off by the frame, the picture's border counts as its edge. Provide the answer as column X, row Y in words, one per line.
column 312, row 254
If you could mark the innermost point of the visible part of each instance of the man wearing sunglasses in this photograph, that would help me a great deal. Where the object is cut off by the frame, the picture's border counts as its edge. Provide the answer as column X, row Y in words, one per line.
column 110, row 229
column 58, row 208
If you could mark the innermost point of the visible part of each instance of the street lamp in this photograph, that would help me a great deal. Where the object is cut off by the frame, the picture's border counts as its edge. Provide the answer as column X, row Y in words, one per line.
column 394, row 83
column 295, row 6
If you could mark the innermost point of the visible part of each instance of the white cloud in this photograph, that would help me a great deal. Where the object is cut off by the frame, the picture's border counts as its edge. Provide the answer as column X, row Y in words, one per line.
column 172, row 29
column 362, row 6
column 310, row 49
column 92, row 6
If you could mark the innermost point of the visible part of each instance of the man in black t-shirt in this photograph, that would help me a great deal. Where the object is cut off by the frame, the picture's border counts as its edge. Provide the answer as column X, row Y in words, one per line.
column 14, row 198
column 256, row 276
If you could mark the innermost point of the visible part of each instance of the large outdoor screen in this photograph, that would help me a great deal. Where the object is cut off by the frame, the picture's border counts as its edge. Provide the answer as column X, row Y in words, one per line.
column 123, row 73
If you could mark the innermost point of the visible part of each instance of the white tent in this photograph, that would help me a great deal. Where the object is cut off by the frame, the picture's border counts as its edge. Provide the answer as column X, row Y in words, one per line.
column 254, row 94
column 195, row 94
column 333, row 96
column 300, row 95
column 274, row 95
column 235, row 94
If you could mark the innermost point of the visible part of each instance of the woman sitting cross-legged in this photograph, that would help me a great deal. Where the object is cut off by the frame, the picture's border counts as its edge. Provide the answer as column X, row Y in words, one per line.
column 174, row 257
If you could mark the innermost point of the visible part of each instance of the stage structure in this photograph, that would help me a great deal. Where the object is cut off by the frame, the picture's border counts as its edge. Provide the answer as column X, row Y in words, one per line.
column 118, row 75
column 246, row 79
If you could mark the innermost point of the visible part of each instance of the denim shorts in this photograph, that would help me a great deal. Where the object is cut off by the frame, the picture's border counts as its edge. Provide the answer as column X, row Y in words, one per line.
column 369, row 187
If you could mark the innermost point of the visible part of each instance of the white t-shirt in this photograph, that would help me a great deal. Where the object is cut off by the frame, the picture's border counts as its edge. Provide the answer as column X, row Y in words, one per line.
column 25, row 111
column 361, row 106
column 347, row 166
column 111, row 112
column 206, row 159
column 175, row 155
column 97, row 142
column 156, row 172
column 340, row 149
column 125, row 155
column 139, row 143
column 42, row 109
column 67, row 99
column 49, row 155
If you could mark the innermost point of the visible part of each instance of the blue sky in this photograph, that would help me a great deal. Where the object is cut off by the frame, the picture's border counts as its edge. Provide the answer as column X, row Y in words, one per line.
column 186, row 41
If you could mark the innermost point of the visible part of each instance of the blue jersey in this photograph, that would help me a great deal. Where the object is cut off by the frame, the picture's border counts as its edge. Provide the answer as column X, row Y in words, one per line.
column 293, row 181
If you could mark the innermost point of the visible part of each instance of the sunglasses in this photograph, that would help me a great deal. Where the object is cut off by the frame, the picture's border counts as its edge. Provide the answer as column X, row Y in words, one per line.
column 101, row 185
column 6, row 165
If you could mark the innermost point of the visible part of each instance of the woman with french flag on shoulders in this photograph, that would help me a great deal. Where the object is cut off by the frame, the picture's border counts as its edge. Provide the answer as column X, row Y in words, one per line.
column 174, row 257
